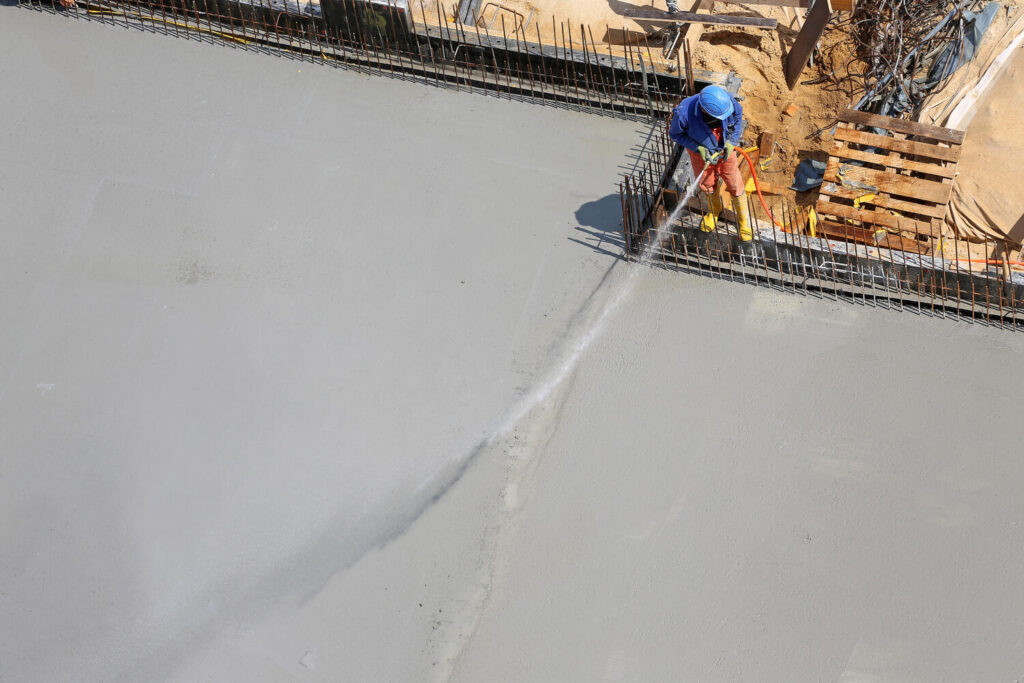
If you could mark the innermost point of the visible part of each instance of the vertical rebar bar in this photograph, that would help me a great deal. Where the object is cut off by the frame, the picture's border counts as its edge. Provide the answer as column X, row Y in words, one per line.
column 508, row 67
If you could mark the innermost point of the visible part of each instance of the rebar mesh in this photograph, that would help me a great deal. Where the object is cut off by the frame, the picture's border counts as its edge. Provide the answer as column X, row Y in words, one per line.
column 785, row 253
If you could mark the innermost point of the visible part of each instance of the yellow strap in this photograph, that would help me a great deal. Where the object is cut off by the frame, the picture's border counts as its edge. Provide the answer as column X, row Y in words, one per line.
column 864, row 199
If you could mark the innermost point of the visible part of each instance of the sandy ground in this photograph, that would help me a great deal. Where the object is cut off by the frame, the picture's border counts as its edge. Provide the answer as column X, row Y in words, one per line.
column 302, row 395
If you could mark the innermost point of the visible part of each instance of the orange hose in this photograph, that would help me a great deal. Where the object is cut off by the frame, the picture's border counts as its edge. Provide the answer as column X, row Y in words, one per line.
column 757, row 186
column 987, row 262
column 753, row 174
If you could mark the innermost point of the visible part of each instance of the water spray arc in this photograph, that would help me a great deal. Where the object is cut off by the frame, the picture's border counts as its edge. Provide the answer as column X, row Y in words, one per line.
column 592, row 319
column 665, row 227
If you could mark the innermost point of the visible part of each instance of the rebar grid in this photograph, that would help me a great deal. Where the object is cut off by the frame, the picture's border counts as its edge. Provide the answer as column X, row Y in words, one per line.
column 379, row 36
column 792, row 258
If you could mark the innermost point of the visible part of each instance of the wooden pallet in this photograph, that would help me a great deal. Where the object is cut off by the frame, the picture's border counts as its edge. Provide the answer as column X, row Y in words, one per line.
column 911, row 164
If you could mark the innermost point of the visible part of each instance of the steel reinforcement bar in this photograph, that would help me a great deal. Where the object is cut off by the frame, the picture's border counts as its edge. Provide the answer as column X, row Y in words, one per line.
column 388, row 37
column 792, row 258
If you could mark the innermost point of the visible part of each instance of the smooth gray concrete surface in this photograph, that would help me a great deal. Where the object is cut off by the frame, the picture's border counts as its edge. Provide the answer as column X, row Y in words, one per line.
column 257, row 314
column 748, row 486
column 266, row 418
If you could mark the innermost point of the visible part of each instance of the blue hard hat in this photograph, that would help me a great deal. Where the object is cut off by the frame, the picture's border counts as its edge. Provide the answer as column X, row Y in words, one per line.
column 715, row 101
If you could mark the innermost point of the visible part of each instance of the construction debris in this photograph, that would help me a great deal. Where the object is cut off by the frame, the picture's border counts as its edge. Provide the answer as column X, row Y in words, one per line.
column 912, row 48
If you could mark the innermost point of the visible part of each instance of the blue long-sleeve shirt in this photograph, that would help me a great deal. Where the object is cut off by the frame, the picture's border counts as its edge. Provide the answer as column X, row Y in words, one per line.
column 689, row 130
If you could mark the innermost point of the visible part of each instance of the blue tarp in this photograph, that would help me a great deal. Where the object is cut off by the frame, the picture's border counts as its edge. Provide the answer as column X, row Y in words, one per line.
column 809, row 174
column 956, row 54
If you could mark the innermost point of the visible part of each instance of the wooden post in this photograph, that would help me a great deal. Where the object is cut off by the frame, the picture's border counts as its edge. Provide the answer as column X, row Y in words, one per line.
column 814, row 26
column 766, row 146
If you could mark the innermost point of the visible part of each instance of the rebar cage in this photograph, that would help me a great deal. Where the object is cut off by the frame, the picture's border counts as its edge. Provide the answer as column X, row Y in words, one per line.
column 786, row 254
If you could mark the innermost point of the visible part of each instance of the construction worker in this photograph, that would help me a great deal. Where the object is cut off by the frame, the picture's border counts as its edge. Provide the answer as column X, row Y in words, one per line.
column 709, row 125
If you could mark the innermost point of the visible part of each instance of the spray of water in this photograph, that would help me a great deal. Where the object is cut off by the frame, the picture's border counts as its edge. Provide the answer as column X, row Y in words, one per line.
column 658, row 238
column 592, row 321
column 600, row 308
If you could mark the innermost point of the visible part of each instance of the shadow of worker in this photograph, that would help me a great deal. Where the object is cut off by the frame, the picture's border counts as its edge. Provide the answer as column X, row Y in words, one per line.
column 600, row 225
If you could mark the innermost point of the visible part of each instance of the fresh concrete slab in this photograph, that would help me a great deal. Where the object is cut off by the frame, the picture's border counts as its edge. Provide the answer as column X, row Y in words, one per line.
column 258, row 314
column 745, row 485
column 295, row 387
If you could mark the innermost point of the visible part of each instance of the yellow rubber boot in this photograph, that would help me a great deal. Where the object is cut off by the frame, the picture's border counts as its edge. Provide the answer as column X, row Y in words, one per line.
column 742, row 209
column 710, row 220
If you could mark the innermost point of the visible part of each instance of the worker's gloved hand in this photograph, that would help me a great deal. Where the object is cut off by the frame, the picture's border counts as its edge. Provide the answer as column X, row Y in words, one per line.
column 729, row 147
column 704, row 153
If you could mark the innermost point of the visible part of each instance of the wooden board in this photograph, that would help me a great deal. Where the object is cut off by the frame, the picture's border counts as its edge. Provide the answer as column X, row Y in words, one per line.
column 837, row 5
column 922, row 149
column 659, row 15
column 889, row 182
column 894, row 161
column 924, row 130
column 810, row 33
column 850, row 233
column 766, row 145
column 928, row 210
column 913, row 177
column 777, row 189
column 877, row 218
column 692, row 32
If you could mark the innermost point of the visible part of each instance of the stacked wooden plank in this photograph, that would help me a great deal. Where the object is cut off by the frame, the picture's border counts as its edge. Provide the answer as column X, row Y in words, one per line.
column 891, row 186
